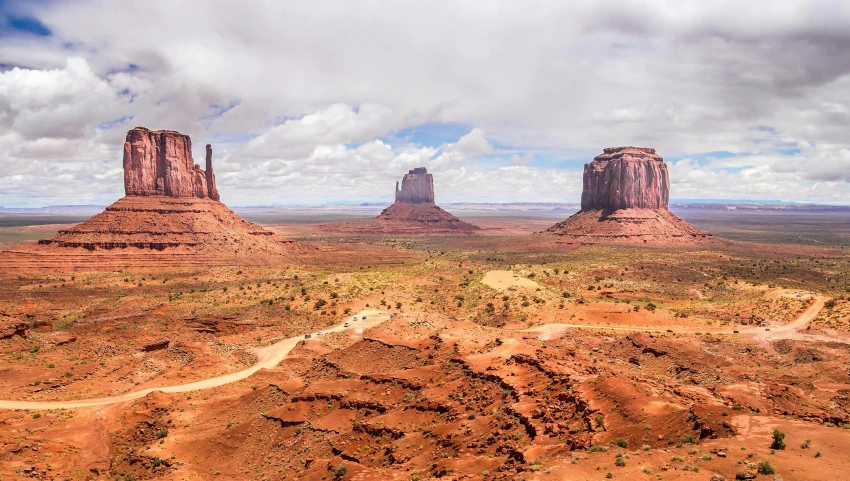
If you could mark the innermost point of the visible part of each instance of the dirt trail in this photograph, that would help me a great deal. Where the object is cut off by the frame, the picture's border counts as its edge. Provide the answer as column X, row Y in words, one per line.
column 271, row 356
column 777, row 332
column 267, row 358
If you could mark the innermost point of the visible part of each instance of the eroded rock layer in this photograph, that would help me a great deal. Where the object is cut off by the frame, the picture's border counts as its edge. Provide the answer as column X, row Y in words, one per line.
column 626, row 191
column 159, row 222
column 159, row 162
column 427, row 216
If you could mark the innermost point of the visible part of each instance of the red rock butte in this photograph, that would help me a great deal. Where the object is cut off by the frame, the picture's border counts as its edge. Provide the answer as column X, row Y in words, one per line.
column 170, row 203
column 414, row 205
column 625, row 196
column 159, row 162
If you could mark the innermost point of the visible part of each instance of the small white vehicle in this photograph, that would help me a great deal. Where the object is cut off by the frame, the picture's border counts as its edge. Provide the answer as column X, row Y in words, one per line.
column 355, row 318
column 347, row 324
column 319, row 333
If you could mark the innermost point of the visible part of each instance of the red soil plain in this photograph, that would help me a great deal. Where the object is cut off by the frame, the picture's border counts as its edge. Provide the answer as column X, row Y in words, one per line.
column 502, row 352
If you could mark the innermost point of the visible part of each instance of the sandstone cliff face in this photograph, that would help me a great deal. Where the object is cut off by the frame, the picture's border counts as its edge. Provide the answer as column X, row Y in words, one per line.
column 159, row 162
column 626, row 178
column 417, row 187
column 625, row 198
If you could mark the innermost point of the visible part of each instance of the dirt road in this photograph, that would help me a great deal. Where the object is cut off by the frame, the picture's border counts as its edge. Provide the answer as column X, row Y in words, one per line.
column 271, row 356
column 267, row 358
column 776, row 332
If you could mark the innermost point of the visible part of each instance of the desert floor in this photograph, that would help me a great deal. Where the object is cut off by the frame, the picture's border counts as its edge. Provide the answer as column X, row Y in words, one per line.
column 503, row 354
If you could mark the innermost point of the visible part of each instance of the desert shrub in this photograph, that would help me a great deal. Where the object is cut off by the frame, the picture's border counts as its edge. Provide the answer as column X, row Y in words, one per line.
column 778, row 440
column 621, row 442
column 340, row 471
column 319, row 304
column 766, row 468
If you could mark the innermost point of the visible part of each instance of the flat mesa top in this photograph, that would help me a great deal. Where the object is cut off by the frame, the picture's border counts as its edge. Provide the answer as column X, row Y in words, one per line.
column 145, row 129
column 611, row 150
column 637, row 154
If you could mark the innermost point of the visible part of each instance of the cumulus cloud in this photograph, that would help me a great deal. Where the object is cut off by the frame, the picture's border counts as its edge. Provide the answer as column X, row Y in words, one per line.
column 473, row 143
column 306, row 94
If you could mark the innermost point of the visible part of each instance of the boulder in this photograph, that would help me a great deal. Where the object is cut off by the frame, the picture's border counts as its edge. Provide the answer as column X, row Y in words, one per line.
column 9, row 329
column 748, row 471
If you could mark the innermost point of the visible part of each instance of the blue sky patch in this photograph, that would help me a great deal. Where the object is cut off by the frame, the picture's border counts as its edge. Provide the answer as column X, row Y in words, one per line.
column 111, row 124
column 432, row 134
column 18, row 25
column 215, row 112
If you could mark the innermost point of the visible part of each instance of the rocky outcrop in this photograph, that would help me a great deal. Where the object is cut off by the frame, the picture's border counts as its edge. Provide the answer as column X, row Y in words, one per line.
column 414, row 207
column 625, row 178
column 159, row 162
column 417, row 187
column 625, row 196
column 171, row 204
column 9, row 328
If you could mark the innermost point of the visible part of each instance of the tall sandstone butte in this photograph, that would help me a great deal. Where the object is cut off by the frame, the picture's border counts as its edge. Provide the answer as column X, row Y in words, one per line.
column 626, row 178
column 625, row 196
column 171, row 203
column 417, row 187
column 414, row 206
column 159, row 162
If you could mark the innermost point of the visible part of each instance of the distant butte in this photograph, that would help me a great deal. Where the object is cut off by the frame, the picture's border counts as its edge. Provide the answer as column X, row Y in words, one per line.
column 170, row 203
column 625, row 196
column 414, row 205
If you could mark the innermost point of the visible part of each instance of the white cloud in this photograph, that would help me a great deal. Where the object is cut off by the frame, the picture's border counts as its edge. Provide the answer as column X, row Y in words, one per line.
column 473, row 143
column 298, row 92
column 525, row 159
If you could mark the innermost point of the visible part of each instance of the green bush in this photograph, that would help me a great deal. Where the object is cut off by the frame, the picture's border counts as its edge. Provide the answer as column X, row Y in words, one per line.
column 766, row 468
column 778, row 440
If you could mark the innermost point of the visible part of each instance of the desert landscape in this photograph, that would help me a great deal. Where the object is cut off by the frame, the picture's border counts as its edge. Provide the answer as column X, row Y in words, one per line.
column 167, row 338
column 419, row 241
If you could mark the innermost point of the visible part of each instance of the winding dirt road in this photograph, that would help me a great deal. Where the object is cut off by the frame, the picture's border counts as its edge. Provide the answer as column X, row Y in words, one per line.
column 267, row 358
column 271, row 356
column 775, row 332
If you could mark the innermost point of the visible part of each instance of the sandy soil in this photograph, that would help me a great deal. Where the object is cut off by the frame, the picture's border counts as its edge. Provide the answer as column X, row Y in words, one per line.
column 592, row 360
column 502, row 280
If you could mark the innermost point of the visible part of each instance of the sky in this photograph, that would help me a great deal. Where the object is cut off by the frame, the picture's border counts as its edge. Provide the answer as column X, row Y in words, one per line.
column 311, row 102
